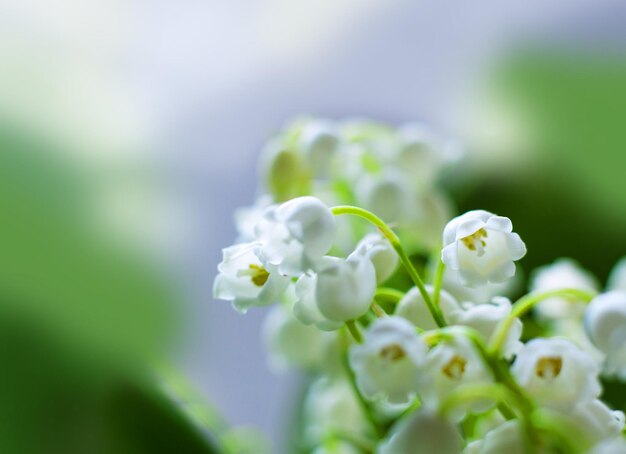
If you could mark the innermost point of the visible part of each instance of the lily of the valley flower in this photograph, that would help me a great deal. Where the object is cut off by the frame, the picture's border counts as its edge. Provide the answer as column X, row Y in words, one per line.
column 482, row 247
column 617, row 278
column 290, row 343
column 381, row 253
column 345, row 288
column 296, row 234
column 245, row 280
column 319, row 143
column 413, row 307
column 485, row 318
column 387, row 363
column 425, row 432
column 330, row 407
column 508, row 437
column 605, row 323
column 556, row 373
column 305, row 308
column 451, row 364
column 563, row 273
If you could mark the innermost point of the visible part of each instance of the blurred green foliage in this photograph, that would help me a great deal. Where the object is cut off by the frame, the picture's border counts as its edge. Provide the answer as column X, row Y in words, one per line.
column 83, row 322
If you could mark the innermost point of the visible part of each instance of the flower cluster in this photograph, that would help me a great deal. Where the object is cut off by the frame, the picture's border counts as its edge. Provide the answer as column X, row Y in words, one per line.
column 439, row 365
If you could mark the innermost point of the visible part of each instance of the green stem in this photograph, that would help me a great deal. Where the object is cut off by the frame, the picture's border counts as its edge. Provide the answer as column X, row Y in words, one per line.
column 378, row 311
column 389, row 294
column 354, row 331
column 524, row 304
column 397, row 246
column 441, row 267
column 494, row 391
column 367, row 408
column 497, row 366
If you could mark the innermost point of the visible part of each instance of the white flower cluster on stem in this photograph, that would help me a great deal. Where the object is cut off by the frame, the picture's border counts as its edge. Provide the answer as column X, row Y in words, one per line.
column 414, row 345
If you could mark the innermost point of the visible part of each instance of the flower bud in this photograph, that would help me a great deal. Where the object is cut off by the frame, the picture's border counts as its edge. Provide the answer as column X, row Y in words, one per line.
column 413, row 307
column 563, row 273
column 290, row 343
column 296, row 234
column 605, row 324
column 381, row 253
column 424, row 432
column 345, row 288
column 482, row 247
column 319, row 144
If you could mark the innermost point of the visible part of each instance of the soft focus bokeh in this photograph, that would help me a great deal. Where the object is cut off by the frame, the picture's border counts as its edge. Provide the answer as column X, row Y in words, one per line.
column 130, row 132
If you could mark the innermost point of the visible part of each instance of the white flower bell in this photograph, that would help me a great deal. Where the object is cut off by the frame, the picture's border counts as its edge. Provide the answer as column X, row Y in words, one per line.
column 319, row 143
column 345, row 288
column 596, row 422
column 388, row 362
column 305, row 308
column 485, row 318
column 617, row 278
column 507, row 437
column 449, row 365
column 605, row 323
column 245, row 281
column 556, row 373
column 330, row 407
column 290, row 343
column 296, row 234
column 482, row 247
column 424, row 432
column 563, row 273
column 413, row 307
column 381, row 253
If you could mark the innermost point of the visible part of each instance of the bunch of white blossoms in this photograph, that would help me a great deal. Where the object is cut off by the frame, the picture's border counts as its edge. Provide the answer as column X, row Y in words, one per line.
column 440, row 365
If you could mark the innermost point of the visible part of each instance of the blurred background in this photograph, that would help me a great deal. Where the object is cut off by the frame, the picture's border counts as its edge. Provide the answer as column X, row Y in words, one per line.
column 130, row 132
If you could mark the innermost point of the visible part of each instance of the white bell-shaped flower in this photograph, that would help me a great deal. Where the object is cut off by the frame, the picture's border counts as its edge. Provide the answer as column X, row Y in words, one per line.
column 615, row 445
column 330, row 407
column 387, row 194
column 246, row 218
column 413, row 307
column 595, row 422
column 305, row 308
column 381, row 253
column 344, row 289
column 605, row 323
column 296, row 234
column 425, row 432
column 290, row 343
column 617, row 278
column 453, row 283
column 482, row 247
column 556, row 373
column 506, row 438
column 387, row 363
column 245, row 281
column 563, row 273
column 319, row 143
column 485, row 318
column 449, row 365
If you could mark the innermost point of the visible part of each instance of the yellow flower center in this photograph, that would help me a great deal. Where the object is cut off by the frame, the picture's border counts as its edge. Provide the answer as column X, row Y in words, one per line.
column 393, row 352
column 258, row 275
column 549, row 367
column 455, row 368
column 475, row 241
